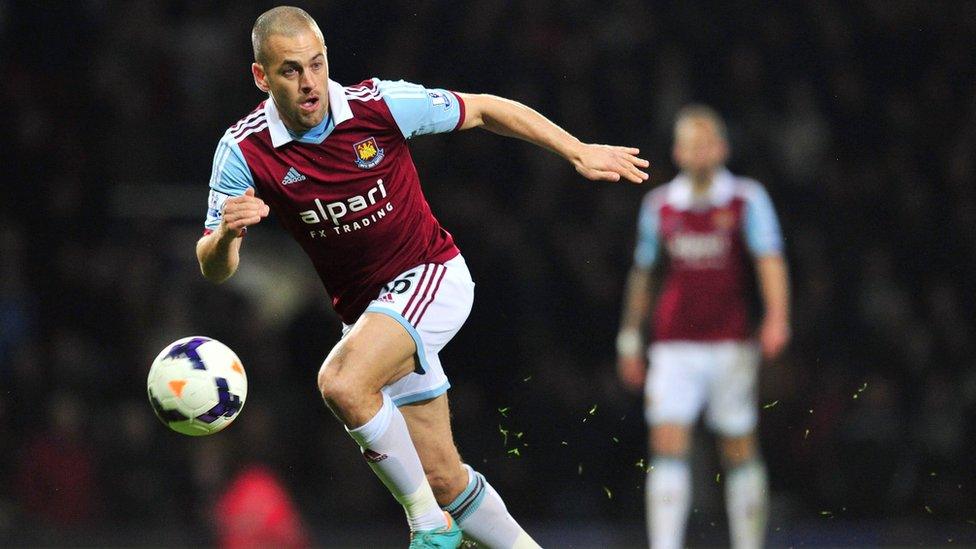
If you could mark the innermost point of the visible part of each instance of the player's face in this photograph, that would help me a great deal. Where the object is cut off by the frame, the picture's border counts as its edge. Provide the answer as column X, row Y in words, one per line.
column 296, row 74
column 699, row 148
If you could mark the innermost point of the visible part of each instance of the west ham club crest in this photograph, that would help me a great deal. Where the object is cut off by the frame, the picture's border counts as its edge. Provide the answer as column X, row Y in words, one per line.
column 368, row 153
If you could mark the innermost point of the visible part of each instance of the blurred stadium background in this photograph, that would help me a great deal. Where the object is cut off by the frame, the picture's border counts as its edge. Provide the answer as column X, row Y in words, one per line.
column 860, row 118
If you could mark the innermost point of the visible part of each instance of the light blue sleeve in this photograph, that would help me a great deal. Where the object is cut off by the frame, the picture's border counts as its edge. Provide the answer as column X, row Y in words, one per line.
column 418, row 110
column 645, row 253
column 230, row 177
column 762, row 232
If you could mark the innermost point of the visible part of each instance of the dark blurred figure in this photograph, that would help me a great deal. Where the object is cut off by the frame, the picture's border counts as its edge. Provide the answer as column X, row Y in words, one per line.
column 55, row 480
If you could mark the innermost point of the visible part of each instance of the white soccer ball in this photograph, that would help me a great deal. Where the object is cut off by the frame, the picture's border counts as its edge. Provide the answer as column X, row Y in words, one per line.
column 197, row 386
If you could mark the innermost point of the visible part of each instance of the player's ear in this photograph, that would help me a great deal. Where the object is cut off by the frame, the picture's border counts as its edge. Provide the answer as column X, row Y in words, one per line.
column 260, row 77
column 724, row 151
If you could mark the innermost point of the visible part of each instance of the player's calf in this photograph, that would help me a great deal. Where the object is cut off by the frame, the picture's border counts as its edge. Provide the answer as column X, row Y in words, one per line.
column 484, row 517
column 746, row 490
column 447, row 482
column 374, row 353
column 387, row 448
column 747, row 502
column 668, row 489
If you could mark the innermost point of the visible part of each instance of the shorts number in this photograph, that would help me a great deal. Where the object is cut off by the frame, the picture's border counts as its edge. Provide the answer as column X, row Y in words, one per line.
column 400, row 285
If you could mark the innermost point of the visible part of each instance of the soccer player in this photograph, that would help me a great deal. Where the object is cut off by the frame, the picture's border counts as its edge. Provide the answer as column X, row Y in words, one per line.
column 703, row 227
column 334, row 165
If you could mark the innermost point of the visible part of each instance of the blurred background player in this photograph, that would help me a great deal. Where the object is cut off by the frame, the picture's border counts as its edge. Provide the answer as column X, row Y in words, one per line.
column 332, row 162
column 702, row 228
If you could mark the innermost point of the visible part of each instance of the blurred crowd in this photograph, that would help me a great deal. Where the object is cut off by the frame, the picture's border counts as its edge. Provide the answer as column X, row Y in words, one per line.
column 859, row 117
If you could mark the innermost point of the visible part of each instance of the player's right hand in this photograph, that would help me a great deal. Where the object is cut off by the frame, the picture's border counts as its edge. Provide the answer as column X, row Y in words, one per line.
column 632, row 372
column 241, row 212
column 610, row 163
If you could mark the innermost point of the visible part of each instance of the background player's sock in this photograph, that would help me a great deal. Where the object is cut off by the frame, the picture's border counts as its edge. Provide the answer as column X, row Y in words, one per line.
column 668, row 497
column 746, row 500
column 483, row 517
column 387, row 447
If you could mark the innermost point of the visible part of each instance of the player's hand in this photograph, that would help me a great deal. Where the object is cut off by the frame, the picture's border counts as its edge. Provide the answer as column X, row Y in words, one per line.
column 610, row 163
column 632, row 372
column 774, row 335
column 241, row 212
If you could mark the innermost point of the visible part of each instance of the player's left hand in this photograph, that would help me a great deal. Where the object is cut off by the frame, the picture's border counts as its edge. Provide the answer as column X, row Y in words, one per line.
column 774, row 335
column 610, row 163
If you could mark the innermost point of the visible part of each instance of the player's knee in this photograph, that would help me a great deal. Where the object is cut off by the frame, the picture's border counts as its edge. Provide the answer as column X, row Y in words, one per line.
column 336, row 388
column 670, row 440
column 738, row 450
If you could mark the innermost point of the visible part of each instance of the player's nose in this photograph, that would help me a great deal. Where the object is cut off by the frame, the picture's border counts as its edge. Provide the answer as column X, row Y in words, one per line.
column 306, row 83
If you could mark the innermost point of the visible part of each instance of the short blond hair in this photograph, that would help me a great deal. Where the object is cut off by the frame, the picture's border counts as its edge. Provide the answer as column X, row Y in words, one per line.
column 282, row 20
column 697, row 111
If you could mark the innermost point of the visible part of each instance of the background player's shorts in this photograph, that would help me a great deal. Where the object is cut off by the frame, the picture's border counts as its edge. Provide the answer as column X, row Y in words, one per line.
column 431, row 302
column 684, row 376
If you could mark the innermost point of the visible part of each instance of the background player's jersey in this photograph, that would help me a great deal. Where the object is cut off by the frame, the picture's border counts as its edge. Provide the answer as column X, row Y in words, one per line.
column 347, row 190
column 705, row 291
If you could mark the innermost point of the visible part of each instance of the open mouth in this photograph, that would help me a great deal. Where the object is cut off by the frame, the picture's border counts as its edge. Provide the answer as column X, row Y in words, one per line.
column 309, row 104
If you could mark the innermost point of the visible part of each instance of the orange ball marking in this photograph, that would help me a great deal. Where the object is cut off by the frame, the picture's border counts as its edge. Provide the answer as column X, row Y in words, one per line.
column 177, row 386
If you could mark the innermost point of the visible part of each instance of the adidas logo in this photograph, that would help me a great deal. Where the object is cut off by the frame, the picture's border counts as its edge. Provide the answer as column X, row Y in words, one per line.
column 292, row 177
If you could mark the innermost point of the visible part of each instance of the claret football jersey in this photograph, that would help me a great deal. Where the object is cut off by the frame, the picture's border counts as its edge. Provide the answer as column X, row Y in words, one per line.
column 708, row 242
column 347, row 190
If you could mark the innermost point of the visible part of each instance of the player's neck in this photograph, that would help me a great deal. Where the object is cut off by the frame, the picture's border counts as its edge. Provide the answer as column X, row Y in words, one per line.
column 308, row 132
column 701, row 183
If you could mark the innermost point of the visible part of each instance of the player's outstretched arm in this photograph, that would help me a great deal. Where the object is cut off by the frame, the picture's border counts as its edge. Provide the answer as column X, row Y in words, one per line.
column 513, row 119
column 219, row 251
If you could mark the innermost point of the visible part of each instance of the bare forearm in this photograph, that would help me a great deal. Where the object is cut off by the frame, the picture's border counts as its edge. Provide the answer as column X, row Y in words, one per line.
column 219, row 255
column 637, row 305
column 513, row 119
column 219, row 252
column 637, row 299
column 774, row 285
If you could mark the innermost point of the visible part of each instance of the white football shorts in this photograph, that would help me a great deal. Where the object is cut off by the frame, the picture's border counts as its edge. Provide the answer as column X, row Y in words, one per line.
column 685, row 376
column 431, row 302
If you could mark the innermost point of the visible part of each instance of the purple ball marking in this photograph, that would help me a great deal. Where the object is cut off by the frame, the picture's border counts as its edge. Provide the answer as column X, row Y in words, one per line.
column 188, row 349
column 166, row 416
column 227, row 406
